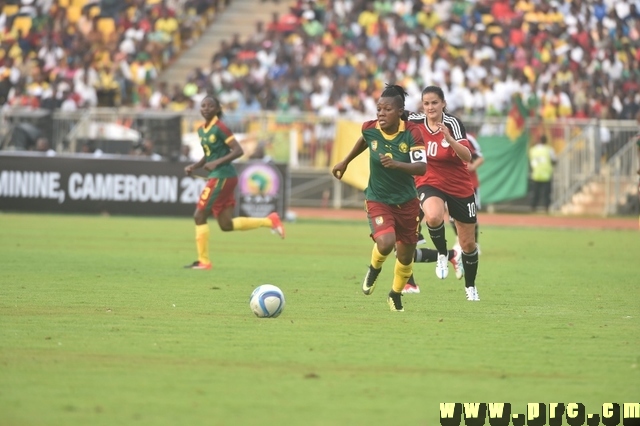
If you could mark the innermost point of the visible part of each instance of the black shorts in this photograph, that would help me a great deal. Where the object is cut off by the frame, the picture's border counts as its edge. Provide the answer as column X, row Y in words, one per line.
column 461, row 209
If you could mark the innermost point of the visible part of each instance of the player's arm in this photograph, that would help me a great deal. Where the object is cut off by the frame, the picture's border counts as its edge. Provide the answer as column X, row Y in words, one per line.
column 191, row 167
column 475, row 163
column 417, row 166
column 454, row 138
column 235, row 151
column 359, row 147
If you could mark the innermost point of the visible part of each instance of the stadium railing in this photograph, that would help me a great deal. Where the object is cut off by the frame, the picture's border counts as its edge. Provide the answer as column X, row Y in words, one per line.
column 588, row 150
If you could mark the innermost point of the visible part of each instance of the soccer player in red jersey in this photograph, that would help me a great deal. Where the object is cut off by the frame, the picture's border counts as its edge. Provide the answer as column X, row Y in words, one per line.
column 447, row 184
column 396, row 154
column 477, row 160
column 217, row 198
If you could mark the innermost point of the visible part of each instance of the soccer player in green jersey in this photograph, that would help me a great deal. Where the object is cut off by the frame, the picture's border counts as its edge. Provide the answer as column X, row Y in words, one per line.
column 217, row 198
column 396, row 154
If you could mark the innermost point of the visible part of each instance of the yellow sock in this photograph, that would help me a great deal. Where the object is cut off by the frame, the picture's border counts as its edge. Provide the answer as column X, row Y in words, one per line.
column 401, row 274
column 377, row 259
column 202, row 242
column 246, row 223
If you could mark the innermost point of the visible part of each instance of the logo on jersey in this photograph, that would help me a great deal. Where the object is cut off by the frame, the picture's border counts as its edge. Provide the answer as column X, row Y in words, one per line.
column 418, row 156
column 374, row 145
column 212, row 138
column 444, row 143
column 379, row 220
column 404, row 148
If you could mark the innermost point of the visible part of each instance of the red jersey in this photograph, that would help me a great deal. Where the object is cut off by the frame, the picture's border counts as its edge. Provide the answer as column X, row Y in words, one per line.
column 445, row 170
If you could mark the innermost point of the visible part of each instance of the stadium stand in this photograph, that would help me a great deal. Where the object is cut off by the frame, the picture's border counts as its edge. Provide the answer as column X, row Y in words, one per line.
column 73, row 54
column 568, row 58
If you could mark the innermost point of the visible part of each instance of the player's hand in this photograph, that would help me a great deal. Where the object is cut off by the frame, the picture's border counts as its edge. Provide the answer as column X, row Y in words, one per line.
column 445, row 130
column 189, row 169
column 387, row 161
column 339, row 169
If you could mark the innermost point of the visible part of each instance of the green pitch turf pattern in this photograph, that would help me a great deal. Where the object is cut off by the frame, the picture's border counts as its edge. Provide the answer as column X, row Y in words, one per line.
column 101, row 325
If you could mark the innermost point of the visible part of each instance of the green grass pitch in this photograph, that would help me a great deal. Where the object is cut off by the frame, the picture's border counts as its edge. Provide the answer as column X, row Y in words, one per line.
column 100, row 325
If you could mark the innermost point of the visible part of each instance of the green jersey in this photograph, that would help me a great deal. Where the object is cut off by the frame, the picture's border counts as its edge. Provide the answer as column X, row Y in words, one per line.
column 214, row 139
column 392, row 186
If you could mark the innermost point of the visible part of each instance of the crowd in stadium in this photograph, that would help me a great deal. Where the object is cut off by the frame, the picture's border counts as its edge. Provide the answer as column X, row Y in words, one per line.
column 571, row 58
column 72, row 54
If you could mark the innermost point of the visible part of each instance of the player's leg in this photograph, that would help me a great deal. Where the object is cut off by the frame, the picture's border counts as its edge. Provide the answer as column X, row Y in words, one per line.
column 451, row 221
column 225, row 203
column 428, row 255
column 421, row 239
column 382, row 226
column 433, row 207
column 203, row 210
column 272, row 221
column 407, row 221
column 402, row 272
column 463, row 210
column 411, row 287
column 466, row 233
column 478, row 207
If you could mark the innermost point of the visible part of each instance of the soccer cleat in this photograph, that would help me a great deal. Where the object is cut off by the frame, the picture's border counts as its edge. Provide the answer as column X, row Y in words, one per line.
column 456, row 261
column 395, row 301
column 472, row 294
column 421, row 239
column 276, row 224
column 198, row 265
column 369, row 283
column 442, row 266
column 411, row 289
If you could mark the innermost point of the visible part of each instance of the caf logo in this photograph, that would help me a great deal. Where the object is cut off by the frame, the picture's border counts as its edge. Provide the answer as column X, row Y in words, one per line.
column 374, row 145
column 379, row 220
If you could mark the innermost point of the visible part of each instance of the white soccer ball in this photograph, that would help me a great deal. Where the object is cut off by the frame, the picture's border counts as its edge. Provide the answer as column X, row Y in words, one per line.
column 267, row 301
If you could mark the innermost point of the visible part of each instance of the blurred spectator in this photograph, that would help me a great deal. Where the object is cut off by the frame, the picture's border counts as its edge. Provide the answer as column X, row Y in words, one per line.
column 542, row 158
column 185, row 153
column 43, row 145
column 160, row 96
column 147, row 149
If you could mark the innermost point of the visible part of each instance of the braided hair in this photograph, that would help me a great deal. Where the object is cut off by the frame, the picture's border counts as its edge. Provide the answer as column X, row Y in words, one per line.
column 217, row 102
column 397, row 92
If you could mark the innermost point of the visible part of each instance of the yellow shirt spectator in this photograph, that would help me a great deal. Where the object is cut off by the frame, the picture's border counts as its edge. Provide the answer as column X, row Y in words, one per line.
column 238, row 69
column 368, row 20
column 167, row 25
column 428, row 21
column 524, row 6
